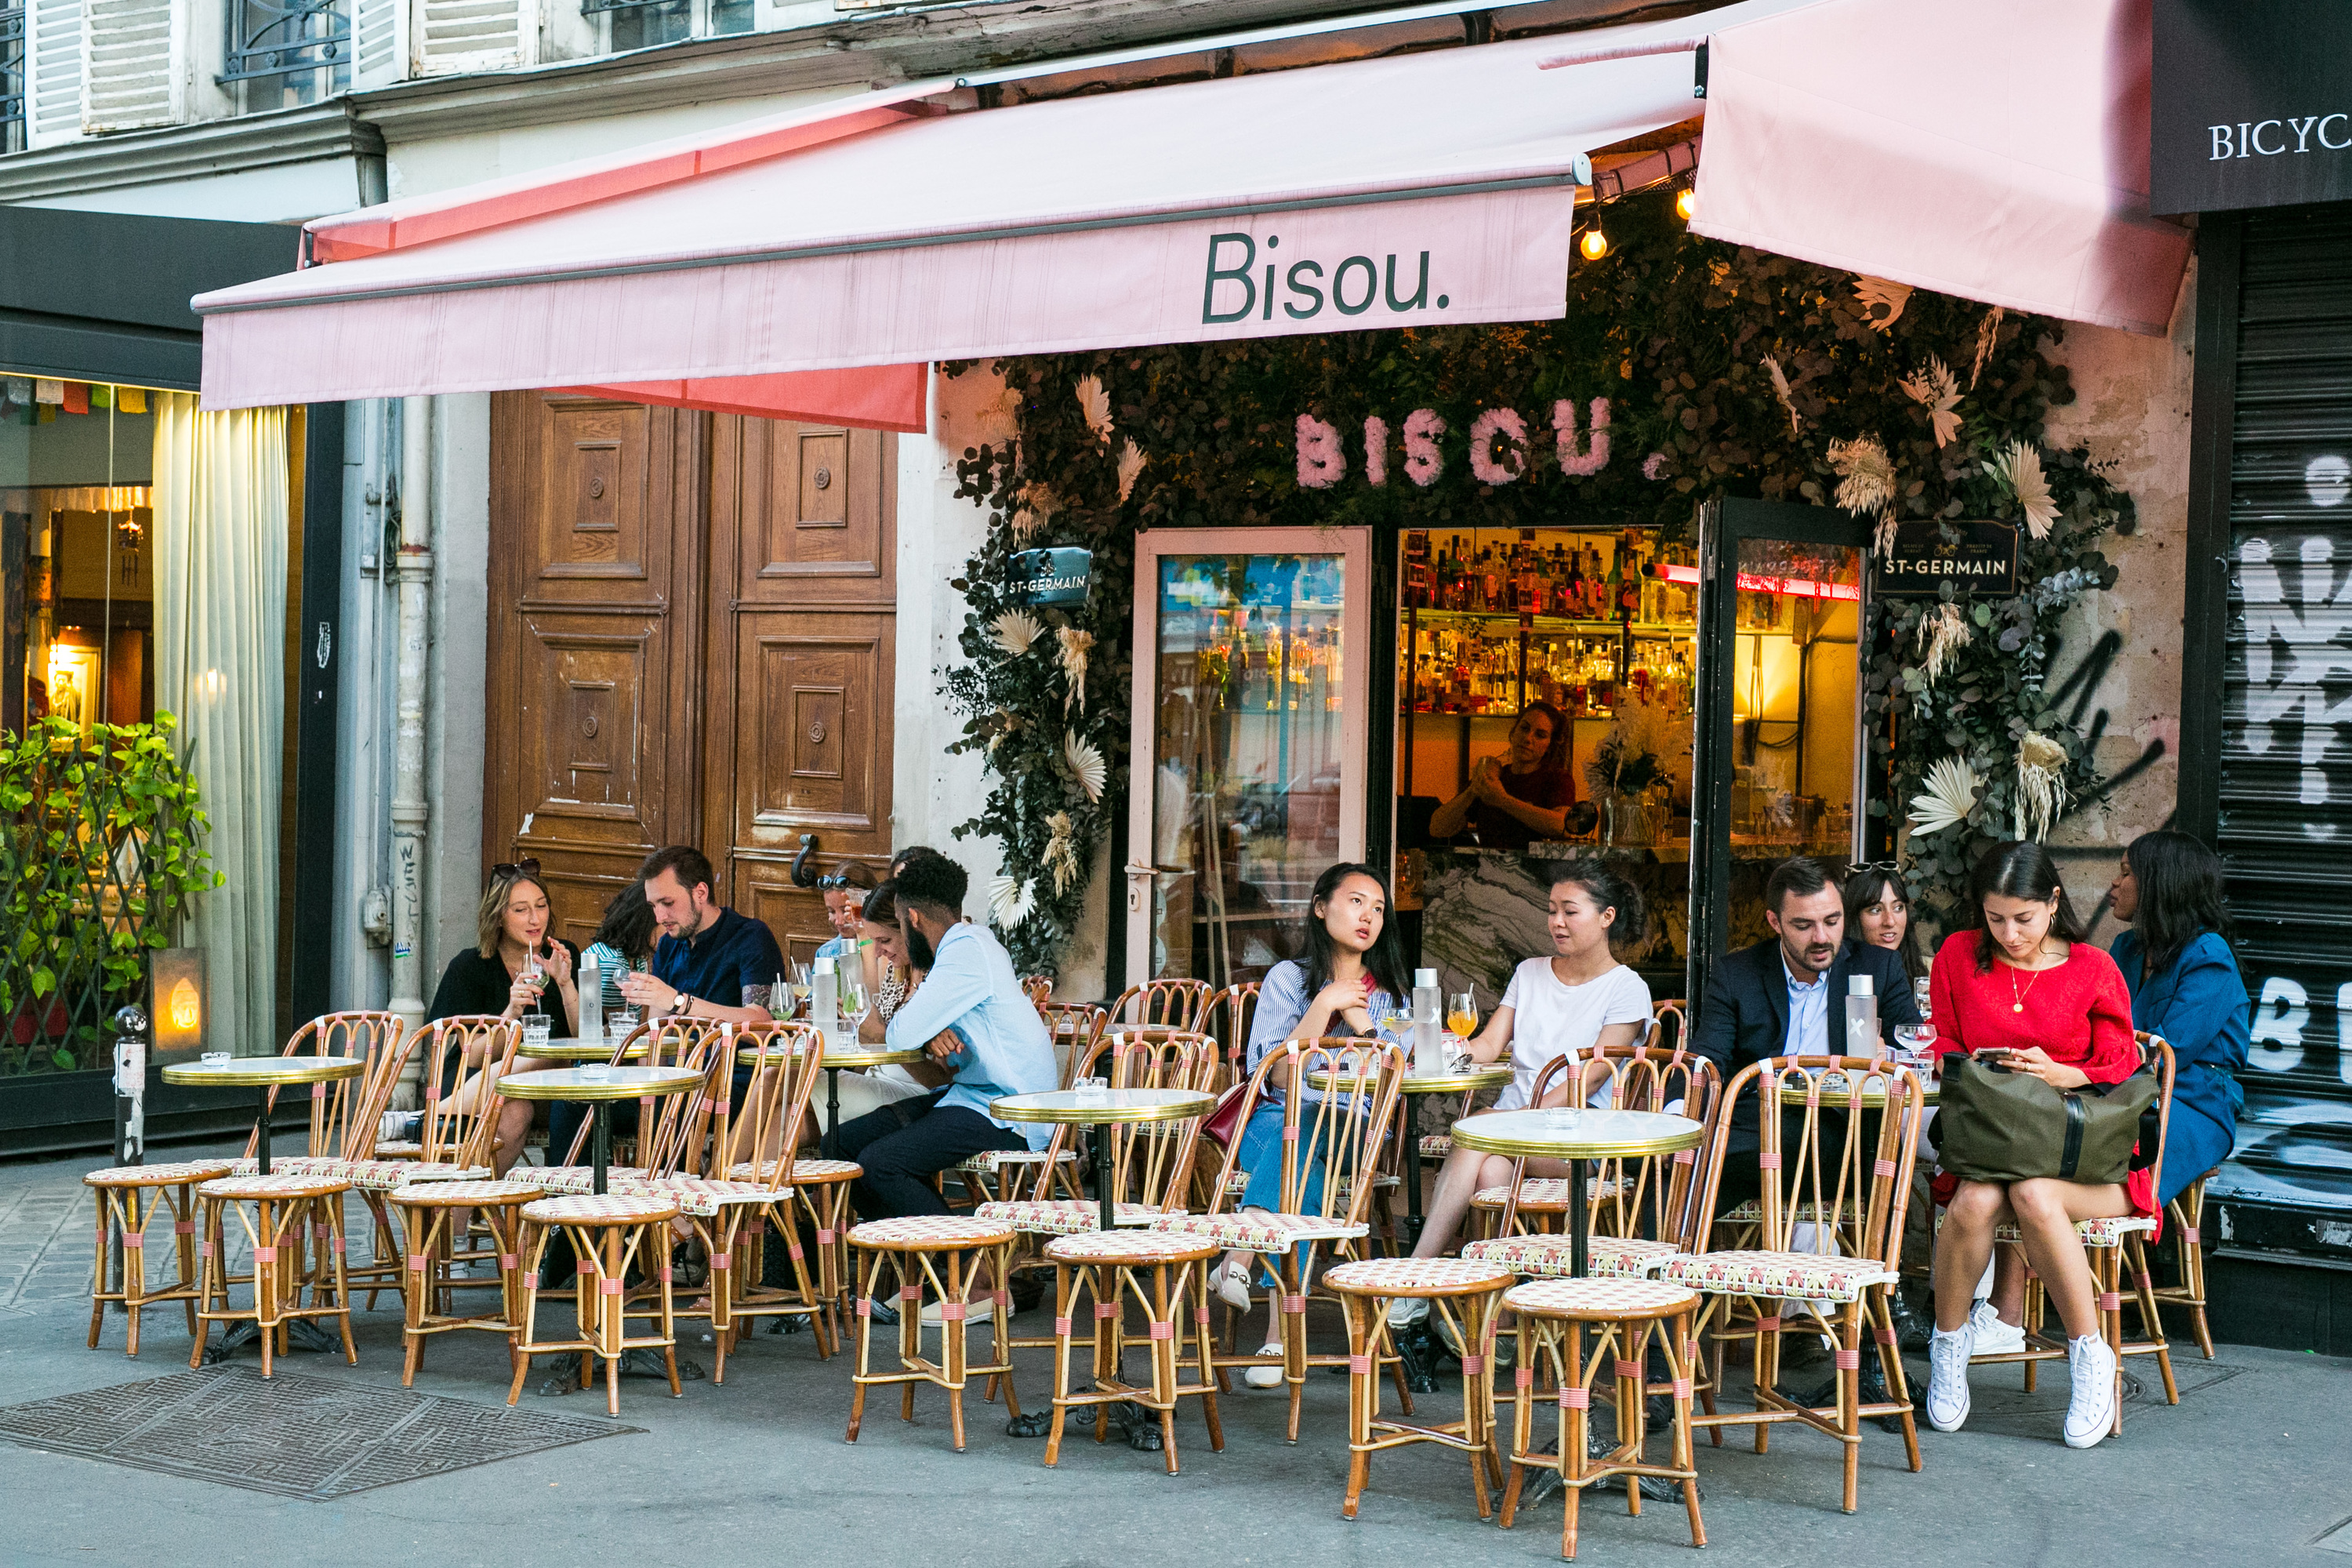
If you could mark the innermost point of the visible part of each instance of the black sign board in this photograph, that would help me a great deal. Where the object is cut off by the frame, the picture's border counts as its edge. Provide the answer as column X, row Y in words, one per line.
column 1057, row 577
column 1983, row 561
column 2250, row 104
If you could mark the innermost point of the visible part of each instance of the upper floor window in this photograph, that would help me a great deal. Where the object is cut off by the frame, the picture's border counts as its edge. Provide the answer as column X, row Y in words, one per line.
column 12, row 76
column 642, row 23
column 287, row 51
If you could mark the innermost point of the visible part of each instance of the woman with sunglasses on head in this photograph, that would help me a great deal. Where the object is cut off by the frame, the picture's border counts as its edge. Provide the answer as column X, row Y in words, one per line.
column 844, row 889
column 1515, row 799
column 515, row 969
column 1350, row 973
column 2023, row 991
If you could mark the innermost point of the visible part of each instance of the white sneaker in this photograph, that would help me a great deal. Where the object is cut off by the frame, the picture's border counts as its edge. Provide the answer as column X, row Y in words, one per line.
column 2091, row 1408
column 1265, row 1376
column 1994, row 1337
column 1947, row 1378
column 1407, row 1310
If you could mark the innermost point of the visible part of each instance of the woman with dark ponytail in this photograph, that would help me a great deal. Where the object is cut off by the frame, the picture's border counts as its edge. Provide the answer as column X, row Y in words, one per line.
column 1564, row 1005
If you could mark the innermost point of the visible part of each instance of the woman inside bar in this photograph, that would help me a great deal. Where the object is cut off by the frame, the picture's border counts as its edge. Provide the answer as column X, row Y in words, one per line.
column 2023, row 988
column 1564, row 1005
column 1878, row 913
column 1514, row 800
column 514, row 969
column 1352, row 973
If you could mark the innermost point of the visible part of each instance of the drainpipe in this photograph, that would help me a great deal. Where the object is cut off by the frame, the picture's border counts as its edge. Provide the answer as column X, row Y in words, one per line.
column 410, row 813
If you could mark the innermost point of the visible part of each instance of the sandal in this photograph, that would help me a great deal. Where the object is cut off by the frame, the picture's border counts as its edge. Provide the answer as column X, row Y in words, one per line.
column 1265, row 1376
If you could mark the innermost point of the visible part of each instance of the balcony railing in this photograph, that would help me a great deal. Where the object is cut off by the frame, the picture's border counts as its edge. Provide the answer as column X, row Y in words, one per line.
column 269, row 38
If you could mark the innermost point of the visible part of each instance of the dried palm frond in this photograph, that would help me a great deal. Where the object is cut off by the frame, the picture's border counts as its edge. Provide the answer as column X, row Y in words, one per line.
column 1086, row 763
column 1009, row 901
column 2019, row 468
column 1878, row 294
column 1780, row 390
column 1014, row 631
column 1988, row 332
column 1095, row 404
column 1943, row 632
column 1936, row 387
column 1950, row 795
column 1130, row 468
column 2041, row 784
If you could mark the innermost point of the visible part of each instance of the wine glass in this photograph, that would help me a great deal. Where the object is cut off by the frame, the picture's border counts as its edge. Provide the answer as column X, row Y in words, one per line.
column 1462, row 1014
column 853, row 999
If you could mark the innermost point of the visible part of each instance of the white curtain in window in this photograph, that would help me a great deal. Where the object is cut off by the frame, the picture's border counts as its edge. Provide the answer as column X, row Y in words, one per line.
column 221, row 516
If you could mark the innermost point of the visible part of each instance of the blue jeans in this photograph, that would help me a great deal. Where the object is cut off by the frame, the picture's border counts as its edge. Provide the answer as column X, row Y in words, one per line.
column 1260, row 1156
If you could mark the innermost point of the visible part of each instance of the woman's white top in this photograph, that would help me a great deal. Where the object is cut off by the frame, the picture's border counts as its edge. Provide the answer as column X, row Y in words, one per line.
column 1550, row 1018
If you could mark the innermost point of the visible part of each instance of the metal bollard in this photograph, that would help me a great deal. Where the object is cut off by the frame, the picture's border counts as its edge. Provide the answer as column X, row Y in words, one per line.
column 130, row 1106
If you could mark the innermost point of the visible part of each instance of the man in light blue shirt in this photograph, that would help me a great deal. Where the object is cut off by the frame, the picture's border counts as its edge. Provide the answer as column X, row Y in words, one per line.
column 971, row 1017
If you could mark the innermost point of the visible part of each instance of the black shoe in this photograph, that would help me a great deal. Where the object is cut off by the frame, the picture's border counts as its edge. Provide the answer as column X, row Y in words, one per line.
column 1912, row 1330
column 1028, row 1290
column 1801, row 1350
column 1873, row 1392
column 883, row 1314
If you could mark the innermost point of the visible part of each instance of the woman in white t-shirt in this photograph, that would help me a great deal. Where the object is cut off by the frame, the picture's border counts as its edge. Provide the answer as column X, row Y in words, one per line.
column 1563, row 1005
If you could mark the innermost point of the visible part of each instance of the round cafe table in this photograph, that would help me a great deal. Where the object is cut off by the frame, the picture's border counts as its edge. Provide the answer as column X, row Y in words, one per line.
column 571, row 1049
column 1577, row 1136
column 834, row 1063
column 601, row 1088
column 1094, row 1107
column 265, row 1074
column 1471, row 1078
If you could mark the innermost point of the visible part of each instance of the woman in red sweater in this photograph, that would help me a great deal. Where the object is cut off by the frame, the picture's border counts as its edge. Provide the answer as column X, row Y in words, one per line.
column 2025, row 987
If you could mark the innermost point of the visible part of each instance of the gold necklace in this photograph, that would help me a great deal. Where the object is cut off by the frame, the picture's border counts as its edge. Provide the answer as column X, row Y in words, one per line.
column 2016, row 997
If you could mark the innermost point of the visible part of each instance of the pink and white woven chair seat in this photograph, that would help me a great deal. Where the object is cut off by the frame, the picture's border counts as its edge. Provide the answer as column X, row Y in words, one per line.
column 943, row 1231
column 1416, row 1276
column 1237, row 1183
column 459, row 1195
column 1816, row 1276
column 612, row 1208
column 1752, row 1212
column 1257, row 1231
column 2103, row 1232
column 1539, row 1195
column 170, row 1176
column 278, row 1185
column 368, row 1175
column 1548, row 1257
column 702, row 1196
column 398, row 1149
column 989, row 1159
column 1063, row 1216
column 803, row 1171
column 1436, row 1145
column 1600, row 1299
column 1134, row 1247
column 579, row 1178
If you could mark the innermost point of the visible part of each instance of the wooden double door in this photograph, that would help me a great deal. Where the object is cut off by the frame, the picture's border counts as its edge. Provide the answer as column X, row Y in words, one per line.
column 693, row 623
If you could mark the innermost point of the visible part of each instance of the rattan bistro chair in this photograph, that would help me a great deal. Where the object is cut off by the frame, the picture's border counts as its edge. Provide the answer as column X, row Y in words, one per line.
column 128, row 1198
column 430, row 1214
column 287, row 1209
column 1813, row 1165
column 1462, row 1293
column 948, row 1253
column 610, row 1236
column 1154, row 1271
column 2186, row 1216
column 1341, row 1130
column 769, row 1126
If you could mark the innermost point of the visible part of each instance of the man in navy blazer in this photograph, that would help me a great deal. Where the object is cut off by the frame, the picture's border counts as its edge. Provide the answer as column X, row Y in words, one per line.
column 1786, row 997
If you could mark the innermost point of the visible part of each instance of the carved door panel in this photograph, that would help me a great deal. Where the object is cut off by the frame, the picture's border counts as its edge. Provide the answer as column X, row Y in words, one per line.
column 594, row 570
column 804, row 528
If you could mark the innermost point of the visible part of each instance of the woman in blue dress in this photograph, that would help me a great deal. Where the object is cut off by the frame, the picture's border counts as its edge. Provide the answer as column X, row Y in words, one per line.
column 2185, row 986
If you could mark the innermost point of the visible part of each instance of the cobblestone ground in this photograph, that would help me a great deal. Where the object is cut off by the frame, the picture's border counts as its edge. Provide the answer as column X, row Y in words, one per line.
column 2251, row 1468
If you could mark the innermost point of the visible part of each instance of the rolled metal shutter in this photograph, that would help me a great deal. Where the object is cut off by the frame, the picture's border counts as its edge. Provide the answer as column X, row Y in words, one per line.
column 2284, row 828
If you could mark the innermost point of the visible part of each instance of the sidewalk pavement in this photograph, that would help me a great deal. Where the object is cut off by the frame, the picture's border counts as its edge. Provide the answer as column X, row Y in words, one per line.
column 2251, row 1468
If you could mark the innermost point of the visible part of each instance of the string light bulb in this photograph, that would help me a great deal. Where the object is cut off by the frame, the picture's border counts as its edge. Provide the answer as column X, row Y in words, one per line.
column 1594, row 245
column 1685, row 202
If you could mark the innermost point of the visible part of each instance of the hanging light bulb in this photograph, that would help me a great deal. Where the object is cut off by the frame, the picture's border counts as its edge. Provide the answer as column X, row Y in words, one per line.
column 1685, row 202
column 1594, row 245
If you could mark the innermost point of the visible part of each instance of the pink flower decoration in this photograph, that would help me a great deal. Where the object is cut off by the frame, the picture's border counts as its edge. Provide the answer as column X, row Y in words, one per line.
column 1422, row 460
column 1506, row 422
column 1595, row 455
column 1655, row 465
column 1322, row 463
column 1376, row 450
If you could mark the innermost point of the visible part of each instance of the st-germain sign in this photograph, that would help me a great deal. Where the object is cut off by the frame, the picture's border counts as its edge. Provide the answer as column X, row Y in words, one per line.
column 1981, row 560
column 2252, row 104
column 1057, row 577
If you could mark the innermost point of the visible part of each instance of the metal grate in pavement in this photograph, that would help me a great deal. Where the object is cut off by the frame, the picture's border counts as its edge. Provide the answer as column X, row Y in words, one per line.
column 294, row 1436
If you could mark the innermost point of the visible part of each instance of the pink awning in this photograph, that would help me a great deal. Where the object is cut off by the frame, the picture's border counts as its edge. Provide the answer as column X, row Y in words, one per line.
column 1997, row 151
column 876, row 235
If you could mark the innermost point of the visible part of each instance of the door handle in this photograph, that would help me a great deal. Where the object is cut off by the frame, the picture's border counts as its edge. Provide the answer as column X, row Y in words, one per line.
column 802, row 875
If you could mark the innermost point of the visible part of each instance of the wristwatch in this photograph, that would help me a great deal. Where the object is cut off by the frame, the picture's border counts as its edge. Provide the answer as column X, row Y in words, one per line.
column 679, row 1003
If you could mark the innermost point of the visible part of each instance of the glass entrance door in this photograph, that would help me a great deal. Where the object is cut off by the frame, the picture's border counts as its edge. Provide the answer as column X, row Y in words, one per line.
column 1252, row 685
column 1779, row 737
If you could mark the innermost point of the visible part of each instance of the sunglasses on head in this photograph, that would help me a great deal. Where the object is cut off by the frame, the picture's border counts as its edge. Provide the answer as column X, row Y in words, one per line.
column 833, row 881
column 507, row 871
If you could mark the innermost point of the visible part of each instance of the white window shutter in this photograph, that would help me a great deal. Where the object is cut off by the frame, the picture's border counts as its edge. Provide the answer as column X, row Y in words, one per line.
column 53, row 70
column 379, row 42
column 447, row 38
column 136, row 53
